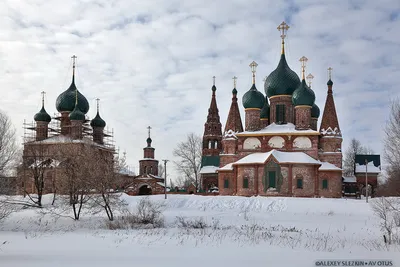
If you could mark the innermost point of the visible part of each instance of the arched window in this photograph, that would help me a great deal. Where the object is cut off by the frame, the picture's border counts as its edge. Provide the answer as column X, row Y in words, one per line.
column 209, row 144
column 216, row 144
column 280, row 114
column 299, row 181
column 145, row 169
column 151, row 170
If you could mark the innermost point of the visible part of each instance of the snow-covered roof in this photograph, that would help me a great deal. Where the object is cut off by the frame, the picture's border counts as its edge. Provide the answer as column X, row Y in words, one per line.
column 230, row 134
column 227, row 167
column 57, row 139
column 350, row 179
column 208, row 169
column 370, row 168
column 280, row 156
column 127, row 172
column 148, row 159
column 272, row 129
column 326, row 166
column 162, row 184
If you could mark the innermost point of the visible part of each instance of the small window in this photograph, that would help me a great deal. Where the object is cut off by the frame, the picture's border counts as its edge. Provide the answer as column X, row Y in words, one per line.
column 245, row 183
column 272, row 179
column 325, row 184
column 280, row 114
column 226, row 183
column 300, row 183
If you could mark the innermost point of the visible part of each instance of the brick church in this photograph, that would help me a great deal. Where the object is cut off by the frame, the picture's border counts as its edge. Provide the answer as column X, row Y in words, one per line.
column 279, row 151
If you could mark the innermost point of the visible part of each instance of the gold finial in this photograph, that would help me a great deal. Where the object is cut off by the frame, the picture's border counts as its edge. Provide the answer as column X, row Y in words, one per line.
column 234, row 81
column 73, row 64
column 214, row 80
column 330, row 73
column 97, row 100
column 309, row 78
column 253, row 65
column 43, row 93
column 149, row 128
column 303, row 61
column 283, row 28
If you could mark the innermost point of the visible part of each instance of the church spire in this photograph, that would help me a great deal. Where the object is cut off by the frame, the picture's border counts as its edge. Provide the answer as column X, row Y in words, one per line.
column 329, row 123
column 234, row 121
column 212, row 128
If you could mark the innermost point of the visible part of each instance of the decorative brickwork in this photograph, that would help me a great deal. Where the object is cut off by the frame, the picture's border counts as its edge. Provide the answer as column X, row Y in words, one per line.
column 234, row 121
column 263, row 123
column 76, row 129
column 285, row 100
column 212, row 136
column 42, row 130
column 252, row 119
column 303, row 117
column 314, row 124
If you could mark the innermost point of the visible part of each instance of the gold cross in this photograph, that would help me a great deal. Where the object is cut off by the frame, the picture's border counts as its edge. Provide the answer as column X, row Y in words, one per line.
column 309, row 79
column 213, row 80
column 149, row 128
column 253, row 65
column 282, row 28
column 330, row 73
column 303, row 61
column 234, row 81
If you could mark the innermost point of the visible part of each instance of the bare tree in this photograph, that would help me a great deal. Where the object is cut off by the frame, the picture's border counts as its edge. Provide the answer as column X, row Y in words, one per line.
column 8, row 144
column 189, row 154
column 388, row 211
column 392, row 150
column 105, row 177
column 76, row 166
column 354, row 148
column 36, row 162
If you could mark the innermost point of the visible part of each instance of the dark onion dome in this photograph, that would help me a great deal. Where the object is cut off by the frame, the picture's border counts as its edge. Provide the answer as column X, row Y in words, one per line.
column 213, row 88
column 264, row 114
column 234, row 91
column 66, row 100
column 329, row 82
column 282, row 81
column 77, row 114
column 98, row 121
column 148, row 140
column 303, row 95
column 42, row 115
column 315, row 112
column 253, row 98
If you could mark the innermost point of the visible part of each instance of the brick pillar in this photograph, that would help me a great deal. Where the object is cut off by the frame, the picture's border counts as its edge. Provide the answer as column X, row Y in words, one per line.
column 303, row 117
column 41, row 130
column 314, row 124
column 263, row 123
column 252, row 119
column 65, row 123
column 98, row 135
column 76, row 129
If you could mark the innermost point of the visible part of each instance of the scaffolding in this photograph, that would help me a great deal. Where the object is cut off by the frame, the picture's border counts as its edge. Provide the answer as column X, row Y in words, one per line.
column 54, row 129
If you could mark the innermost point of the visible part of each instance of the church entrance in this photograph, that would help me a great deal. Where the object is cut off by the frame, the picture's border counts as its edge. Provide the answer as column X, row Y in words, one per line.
column 145, row 190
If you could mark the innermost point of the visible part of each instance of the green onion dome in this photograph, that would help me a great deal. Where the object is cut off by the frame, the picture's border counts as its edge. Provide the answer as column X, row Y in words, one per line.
column 77, row 114
column 329, row 82
column 234, row 91
column 282, row 81
column 66, row 100
column 253, row 98
column 315, row 112
column 98, row 121
column 264, row 114
column 42, row 115
column 303, row 95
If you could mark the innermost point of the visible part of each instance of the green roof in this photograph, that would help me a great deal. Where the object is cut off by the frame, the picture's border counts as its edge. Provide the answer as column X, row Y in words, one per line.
column 210, row 161
column 303, row 95
column 315, row 112
column 98, row 121
column 66, row 100
column 42, row 115
column 264, row 114
column 253, row 98
column 282, row 81
column 77, row 114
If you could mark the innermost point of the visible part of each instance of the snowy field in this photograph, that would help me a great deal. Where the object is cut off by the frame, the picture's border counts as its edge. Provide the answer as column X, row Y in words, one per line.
column 257, row 231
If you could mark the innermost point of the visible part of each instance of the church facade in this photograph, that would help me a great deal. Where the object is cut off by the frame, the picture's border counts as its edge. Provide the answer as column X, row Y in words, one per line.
column 279, row 151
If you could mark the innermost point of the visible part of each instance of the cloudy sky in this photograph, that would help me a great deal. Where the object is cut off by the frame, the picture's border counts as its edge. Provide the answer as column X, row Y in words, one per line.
column 151, row 62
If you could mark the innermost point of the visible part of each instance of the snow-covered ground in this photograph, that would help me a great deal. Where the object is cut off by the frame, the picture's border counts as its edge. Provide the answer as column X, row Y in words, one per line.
column 256, row 231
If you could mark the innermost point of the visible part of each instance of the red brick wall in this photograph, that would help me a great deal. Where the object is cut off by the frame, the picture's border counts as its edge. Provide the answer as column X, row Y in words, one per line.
column 334, row 184
column 209, row 179
column 65, row 123
column 252, row 119
column 303, row 117
column 281, row 100
column 148, row 152
column 314, row 124
column 41, row 130
column 263, row 123
column 148, row 166
column 307, row 173
column 222, row 175
column 98, row 135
